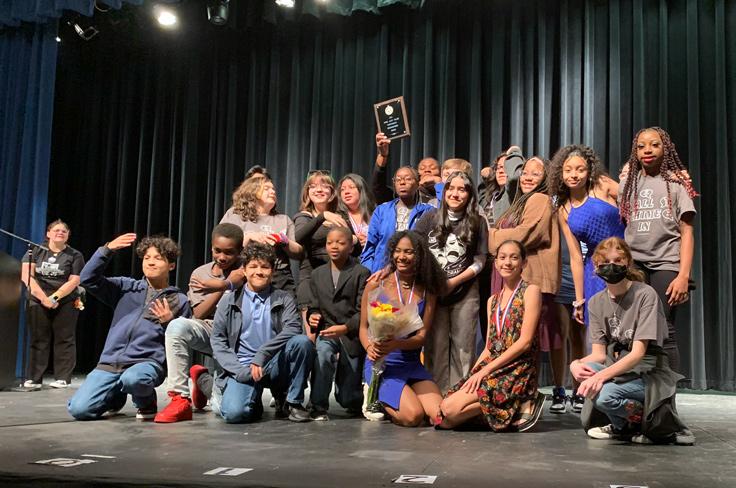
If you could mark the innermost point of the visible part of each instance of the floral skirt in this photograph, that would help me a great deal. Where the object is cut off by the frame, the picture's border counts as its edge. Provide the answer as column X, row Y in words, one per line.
column 502, row 393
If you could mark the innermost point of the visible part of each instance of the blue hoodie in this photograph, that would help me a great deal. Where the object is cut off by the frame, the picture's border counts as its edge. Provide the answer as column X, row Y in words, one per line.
column 135, row 335
column 382, row 227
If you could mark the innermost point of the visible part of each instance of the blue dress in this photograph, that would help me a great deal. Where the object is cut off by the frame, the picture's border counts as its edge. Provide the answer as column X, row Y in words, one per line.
column 591, row 223
column 402, row 367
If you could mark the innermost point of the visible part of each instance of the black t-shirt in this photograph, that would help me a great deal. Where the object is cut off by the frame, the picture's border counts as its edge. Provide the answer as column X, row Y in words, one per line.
column 456, row 255
column 52, row 269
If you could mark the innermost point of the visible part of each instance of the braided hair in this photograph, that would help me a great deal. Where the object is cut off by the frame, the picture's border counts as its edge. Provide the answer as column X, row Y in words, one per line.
column 557, row 188
column 516, row 210
column 671, row 170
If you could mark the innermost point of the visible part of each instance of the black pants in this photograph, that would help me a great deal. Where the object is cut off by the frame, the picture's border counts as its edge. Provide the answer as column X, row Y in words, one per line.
column 59, row 323
column 660, row 280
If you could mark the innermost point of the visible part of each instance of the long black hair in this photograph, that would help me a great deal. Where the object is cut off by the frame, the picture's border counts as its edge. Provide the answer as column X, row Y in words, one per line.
column 516, row 210
column 428, row 273
column 468, row 226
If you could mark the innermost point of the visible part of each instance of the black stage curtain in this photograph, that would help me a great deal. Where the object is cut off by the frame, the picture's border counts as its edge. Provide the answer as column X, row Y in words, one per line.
column 153, row 131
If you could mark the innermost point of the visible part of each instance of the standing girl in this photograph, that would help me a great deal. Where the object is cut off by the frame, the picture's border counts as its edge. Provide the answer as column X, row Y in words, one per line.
column 585, row 200
column 458, row 239
column 317, row 214
column 53, row 311
column 656, row 202
column 356, row 201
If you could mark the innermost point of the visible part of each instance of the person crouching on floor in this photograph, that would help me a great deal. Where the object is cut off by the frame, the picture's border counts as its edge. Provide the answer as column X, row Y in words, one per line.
column 336, row 290
column 132, row 361
column 627, row 381
column 257, row 339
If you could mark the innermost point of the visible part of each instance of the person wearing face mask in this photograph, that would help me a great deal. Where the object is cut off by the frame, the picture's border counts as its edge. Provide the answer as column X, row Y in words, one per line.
column 626, row 379
column 531, row 221
column 428, row 170
column 458, row 239
column 400, row 214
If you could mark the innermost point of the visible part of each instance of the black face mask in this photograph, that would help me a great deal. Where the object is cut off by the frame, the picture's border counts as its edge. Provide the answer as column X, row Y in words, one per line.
column 612, row 273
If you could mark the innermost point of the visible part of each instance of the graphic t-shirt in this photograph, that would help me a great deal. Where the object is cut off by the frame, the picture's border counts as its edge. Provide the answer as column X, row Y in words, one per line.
column 456, row 255
column 638, row 315
column 653, row 231
column 53, row 269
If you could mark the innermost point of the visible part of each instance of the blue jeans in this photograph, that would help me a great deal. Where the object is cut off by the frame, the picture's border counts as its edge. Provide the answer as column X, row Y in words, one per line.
column 287, row 371
column 346, row 371
column 621, row 402
column 103, row 391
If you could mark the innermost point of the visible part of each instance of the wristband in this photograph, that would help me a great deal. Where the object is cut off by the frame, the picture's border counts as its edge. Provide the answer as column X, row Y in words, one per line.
column 54, row 299
column 230, row 285
column 578, row 303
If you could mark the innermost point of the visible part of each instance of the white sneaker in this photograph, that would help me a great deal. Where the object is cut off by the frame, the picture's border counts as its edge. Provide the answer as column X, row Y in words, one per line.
column 59, row 384
column 31, row 385
column 605, row 432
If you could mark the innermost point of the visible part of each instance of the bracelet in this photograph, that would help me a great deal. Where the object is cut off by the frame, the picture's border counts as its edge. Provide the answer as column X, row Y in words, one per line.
column 578, row 303
column 229, row 284
column 54, row 299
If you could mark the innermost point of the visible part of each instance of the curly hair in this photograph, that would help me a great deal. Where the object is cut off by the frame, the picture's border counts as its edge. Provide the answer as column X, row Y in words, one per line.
column 428, row 272
column 246, row 196
column 257, row 251
column 558, row 190
column 516, row 210
column 306, row 204
column 469, row 224
column 620, row 245
column 671, row 171
column 166, row 246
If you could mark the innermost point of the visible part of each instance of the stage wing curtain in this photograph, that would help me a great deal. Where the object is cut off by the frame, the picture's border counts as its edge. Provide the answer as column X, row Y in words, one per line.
column 154, row 138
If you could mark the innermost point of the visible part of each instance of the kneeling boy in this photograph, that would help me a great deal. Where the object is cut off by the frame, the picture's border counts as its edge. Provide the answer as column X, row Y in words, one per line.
column 257, row 340
column 132, row 361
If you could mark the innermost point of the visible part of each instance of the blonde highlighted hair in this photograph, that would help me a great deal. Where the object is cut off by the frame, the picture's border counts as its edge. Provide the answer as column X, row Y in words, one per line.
column 248, row 194
column 306, row 204
column 458, row 164
column 617, row 244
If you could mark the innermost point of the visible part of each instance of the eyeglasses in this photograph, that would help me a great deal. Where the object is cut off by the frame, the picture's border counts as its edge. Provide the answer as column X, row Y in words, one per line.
column 404, row 179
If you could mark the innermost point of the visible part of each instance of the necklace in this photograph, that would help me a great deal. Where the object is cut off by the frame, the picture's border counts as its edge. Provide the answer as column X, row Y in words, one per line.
column 399, row 286
column 615, row 322
column 500, row 320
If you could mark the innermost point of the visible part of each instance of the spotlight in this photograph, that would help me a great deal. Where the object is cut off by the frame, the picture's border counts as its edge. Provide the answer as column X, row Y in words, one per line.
column 166, row 18
column 285, row 3
column 217, row 11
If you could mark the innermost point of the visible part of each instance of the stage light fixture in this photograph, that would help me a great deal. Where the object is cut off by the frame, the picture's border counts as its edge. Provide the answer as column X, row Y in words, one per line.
column 285, row 3
column 85, row 33
column 166, row 18
column 217, row 11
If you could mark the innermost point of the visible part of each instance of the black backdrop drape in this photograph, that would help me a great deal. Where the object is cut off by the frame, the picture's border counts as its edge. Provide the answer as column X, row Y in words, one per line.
column 153, row 130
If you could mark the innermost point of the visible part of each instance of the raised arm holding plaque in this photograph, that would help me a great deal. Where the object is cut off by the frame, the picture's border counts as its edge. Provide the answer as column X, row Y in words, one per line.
column 391, row 118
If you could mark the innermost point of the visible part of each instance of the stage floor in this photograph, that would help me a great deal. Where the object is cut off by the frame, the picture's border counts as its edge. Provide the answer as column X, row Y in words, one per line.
column 346, row 452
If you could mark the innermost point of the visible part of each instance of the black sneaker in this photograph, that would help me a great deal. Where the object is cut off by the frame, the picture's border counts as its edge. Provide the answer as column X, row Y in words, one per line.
column 281, row 408
column 297, row 413
column 559, row 400
column 577, row 402
column 319, row 414
column 147, row 413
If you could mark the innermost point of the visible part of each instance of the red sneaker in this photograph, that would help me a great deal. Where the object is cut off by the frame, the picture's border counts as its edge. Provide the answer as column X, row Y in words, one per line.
column 199, row 399
column 180, row 408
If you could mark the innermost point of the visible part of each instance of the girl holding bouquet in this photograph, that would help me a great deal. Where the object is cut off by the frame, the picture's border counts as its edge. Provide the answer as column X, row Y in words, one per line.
column 501, row 389
column 405, row 388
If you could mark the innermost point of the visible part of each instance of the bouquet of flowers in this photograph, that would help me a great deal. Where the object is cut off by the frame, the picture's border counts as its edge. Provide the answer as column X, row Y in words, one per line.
column 387, row 319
